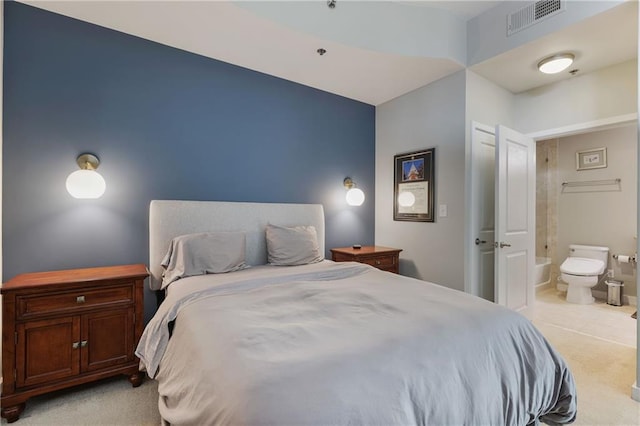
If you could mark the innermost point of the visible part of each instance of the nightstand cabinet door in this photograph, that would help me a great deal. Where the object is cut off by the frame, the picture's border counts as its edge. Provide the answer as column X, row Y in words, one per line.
column 49, row 350
column 107, row 339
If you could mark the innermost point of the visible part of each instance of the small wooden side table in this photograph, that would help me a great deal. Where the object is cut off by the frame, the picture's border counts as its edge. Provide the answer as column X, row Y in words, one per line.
column 65, row 328
column 384, row 258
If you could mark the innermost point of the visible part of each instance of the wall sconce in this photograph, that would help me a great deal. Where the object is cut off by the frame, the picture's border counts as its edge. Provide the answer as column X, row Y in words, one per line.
column 355, row 196
column 87, row 182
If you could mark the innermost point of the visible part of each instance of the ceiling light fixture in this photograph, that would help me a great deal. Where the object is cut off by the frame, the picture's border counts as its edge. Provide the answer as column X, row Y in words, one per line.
column 321, row 51
column 331, row 4
column 556, row 63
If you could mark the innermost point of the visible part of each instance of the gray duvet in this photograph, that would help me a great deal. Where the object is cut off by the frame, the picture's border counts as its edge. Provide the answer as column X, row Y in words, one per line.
column 345, row 344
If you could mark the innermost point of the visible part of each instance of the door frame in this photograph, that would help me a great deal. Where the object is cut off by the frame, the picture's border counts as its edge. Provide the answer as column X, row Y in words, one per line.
column 574, row 129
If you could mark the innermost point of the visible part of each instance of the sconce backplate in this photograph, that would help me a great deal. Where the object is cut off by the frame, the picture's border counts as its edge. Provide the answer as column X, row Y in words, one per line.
column 88, row 161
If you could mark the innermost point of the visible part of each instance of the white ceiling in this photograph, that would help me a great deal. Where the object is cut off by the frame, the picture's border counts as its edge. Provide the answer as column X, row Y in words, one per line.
column 608, row 38
column 373, row 77
column 463, row 9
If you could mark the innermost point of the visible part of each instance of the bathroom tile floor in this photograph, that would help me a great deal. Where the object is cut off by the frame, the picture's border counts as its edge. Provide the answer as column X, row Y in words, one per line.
column 612, row 323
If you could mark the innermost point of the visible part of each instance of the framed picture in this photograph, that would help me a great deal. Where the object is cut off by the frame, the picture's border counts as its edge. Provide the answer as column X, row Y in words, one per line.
column 414, row 186
column 591, row 159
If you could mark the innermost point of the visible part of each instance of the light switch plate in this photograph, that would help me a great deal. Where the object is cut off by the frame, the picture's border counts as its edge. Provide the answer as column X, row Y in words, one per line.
column 442, row 210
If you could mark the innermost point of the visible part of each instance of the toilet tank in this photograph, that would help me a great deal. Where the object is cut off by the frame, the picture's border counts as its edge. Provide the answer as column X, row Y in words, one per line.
column 590, row 252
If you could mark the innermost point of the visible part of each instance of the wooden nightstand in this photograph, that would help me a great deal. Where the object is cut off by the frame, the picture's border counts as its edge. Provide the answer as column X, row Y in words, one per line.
column 64, row 328
column 384, row 258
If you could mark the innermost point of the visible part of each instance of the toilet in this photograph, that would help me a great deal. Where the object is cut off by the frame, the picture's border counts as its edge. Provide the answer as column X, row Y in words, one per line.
column 581, row 271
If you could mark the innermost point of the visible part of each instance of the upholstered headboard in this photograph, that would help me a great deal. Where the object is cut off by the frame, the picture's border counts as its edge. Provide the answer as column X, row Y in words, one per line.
column 169, row 219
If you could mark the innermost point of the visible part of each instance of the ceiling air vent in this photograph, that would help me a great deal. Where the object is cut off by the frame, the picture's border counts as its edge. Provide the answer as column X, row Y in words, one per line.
column 532, row 14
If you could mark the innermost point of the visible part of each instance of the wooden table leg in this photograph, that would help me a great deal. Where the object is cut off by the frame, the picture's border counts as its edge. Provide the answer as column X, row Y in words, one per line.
column 136, row 379
column 12, row 413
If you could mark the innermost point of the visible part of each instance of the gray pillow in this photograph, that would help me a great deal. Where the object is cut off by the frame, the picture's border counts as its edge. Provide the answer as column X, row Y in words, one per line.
column 203, row 253
column 295, row 245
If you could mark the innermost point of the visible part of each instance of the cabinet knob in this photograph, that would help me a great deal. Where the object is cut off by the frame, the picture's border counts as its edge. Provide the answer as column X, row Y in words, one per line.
column 83, row 343
column 80, row 299
column 75, row 345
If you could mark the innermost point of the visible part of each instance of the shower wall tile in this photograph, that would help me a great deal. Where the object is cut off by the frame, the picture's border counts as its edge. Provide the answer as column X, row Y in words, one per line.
column 541, row 199
column 553, row 186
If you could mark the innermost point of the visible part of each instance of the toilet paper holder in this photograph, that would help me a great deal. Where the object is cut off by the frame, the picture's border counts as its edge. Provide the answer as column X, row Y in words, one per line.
column 625, row 258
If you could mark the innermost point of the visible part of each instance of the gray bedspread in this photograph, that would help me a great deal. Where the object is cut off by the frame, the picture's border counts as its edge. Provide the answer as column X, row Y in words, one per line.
column 344, row 344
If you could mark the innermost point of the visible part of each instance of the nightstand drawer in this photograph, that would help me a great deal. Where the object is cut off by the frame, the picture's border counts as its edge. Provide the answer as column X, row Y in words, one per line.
column 379, row 262
column 383, row 258
column 28, row 306
column 339, row 257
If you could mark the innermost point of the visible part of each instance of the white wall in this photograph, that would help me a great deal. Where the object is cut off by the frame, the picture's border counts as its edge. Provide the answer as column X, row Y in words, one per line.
column 490, row 104
column 432, row 116
column 602, row 216
column 605, row 93
column 487, row 102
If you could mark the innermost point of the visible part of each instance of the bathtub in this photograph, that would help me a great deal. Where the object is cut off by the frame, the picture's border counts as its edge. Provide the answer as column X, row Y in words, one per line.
column 542, row 271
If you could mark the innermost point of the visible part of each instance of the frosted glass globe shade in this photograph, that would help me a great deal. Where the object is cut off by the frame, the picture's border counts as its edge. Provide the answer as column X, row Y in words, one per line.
column 406, row 199
column 86, row 184
column 355, row 197
column 555, row 64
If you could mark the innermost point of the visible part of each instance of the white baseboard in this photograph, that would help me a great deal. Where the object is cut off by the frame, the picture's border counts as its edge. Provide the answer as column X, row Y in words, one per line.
column 635, row 392
column 626, row 300
column 543, row 286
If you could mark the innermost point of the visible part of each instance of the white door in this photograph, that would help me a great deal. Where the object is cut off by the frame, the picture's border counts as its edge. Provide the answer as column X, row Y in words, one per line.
column 515, row 220
column 483, row 154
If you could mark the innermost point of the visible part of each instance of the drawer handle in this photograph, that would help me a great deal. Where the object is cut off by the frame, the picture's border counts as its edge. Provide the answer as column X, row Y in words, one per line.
column 76, row 345
column 80, row 299
column 377, row 262
column 83, row 343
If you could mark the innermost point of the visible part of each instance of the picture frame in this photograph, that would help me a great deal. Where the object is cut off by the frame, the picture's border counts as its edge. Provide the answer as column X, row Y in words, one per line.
column 414, row 186
column 591, row 159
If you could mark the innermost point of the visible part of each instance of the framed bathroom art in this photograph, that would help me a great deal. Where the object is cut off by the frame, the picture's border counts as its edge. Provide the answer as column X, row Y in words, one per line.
column 595, row 158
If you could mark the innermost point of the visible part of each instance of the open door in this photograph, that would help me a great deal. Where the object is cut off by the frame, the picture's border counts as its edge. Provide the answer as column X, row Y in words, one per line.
column 515, row 191
column 482, row 168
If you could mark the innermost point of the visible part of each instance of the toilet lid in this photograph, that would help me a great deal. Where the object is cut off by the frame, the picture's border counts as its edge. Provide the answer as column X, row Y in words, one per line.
column 582, row 266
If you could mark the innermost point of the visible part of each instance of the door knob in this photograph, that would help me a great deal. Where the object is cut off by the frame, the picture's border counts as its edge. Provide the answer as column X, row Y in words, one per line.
column 479, row 241
column 503, row 245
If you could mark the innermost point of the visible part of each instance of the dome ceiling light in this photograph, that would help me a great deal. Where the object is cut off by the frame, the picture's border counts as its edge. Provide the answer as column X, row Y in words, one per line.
column 556, row 63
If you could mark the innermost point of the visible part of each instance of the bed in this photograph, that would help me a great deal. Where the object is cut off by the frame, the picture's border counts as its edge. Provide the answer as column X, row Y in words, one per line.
column 324, row 343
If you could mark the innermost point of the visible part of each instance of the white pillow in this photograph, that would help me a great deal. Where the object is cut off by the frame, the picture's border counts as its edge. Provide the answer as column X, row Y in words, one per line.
column 295, row 245
column 203, row 253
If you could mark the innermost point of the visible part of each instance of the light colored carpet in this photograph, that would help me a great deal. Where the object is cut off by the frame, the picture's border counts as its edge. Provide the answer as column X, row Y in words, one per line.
column 604, row 375
column 604, row 372
column 108, row 402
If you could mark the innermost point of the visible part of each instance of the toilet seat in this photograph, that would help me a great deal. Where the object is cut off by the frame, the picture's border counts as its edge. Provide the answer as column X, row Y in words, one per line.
column 582, row 267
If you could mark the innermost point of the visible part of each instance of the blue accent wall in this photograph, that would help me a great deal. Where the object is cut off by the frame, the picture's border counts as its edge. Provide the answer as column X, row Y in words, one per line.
column 166, row 124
